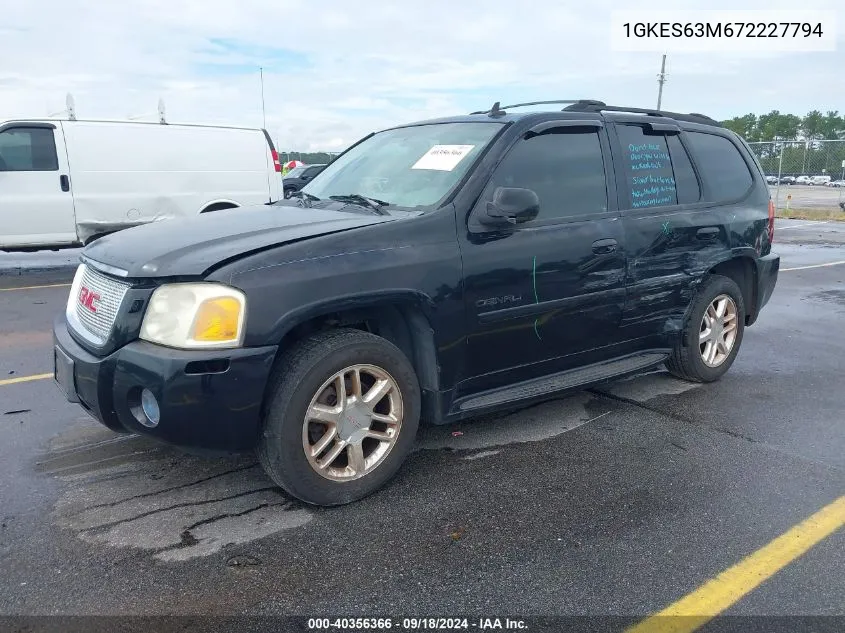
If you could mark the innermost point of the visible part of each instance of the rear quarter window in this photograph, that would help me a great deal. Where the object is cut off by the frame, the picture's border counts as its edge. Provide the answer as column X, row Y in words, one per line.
column 721, row 166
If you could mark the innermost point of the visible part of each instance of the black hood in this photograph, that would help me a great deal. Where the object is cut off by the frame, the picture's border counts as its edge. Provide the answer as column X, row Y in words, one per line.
column 191, row 246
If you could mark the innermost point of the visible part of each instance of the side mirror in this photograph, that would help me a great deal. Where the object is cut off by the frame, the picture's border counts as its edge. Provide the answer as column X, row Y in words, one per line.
column 510, row 205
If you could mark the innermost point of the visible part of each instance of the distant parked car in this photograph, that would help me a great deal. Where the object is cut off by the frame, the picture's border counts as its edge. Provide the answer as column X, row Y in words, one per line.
column 819, row 180
column 802, row 180
column 772, row 180
column 836, row 183
column 298, row 177
column 787, row 180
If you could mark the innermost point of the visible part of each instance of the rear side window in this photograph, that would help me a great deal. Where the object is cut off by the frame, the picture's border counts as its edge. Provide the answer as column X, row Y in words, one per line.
column 658, row 170
column 28, row 149
column 721, row 165
column 686, row 181
column 563, row 167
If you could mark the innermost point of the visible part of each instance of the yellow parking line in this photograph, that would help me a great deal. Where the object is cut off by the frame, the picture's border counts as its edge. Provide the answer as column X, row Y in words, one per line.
column 696, row 609
column 12, row 381
column 36, row 287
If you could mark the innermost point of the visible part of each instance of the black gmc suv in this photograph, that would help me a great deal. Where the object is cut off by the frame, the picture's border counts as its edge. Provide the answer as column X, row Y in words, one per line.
column 434, row 271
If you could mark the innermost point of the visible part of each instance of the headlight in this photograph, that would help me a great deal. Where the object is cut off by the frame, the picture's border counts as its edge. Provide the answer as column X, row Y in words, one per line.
column 195, row 316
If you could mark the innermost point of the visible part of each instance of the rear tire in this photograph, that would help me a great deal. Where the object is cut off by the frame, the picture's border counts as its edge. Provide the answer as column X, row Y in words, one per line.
column 306, row 423
column 704, row 354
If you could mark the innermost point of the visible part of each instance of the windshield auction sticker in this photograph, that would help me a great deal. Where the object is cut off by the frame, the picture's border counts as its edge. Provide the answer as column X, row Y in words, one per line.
column 443, row 157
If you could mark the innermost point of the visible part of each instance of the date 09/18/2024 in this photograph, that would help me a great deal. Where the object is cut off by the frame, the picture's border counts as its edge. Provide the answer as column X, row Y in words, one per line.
column 415, row 624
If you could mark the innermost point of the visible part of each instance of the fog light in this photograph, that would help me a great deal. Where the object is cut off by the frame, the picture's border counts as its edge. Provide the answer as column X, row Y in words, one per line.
column 149, row 405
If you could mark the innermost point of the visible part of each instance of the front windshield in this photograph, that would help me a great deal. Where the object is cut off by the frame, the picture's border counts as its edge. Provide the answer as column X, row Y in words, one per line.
column 407, row 167
column 295, row 172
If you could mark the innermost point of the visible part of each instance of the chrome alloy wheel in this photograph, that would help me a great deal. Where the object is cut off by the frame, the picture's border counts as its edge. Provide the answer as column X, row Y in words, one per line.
column 352, row 422
column 718, row 331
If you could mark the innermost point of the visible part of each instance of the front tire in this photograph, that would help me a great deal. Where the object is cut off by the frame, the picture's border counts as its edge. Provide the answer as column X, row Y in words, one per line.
column 342, row 412
column 712, row 334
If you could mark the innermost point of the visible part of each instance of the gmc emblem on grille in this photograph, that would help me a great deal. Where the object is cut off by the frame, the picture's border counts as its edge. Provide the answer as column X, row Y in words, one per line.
column 88, row 299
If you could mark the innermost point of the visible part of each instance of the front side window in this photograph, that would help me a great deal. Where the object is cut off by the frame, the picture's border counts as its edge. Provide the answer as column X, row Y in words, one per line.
column 564, row 167
column 414, row 166
column 28, row 149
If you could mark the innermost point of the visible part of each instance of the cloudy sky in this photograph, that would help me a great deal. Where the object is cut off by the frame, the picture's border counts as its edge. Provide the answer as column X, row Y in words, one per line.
column 337, row 69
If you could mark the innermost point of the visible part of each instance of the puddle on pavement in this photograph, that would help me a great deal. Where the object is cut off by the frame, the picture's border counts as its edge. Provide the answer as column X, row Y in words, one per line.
column 829, row 296
column 532, row 424
column 644, row 387
column 128, row 491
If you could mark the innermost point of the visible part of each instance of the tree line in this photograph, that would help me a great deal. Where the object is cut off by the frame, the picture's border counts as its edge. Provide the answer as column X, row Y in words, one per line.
column 309, row 158
column 775, row 126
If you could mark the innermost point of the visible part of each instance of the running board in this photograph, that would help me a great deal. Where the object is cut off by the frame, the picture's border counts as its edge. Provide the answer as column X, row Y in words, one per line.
column 563, row 381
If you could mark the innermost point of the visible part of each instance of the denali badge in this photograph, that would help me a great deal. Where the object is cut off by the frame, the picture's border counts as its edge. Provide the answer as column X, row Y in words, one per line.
column 88, row 299
column 490, row 302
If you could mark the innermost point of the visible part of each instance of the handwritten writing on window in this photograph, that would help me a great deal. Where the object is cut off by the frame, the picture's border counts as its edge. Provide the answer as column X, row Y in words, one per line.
column 652, row 179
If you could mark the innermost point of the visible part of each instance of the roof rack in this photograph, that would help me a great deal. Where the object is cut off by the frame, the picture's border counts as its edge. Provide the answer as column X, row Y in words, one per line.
column 497, row 110
column 692, row 117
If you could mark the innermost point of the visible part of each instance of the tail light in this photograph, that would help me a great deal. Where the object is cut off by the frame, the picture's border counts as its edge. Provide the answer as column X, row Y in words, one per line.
column 276, row 164
column 771, row 221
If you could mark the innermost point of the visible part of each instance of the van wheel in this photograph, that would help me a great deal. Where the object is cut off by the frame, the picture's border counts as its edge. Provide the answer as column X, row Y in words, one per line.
column 713, row 332
column 341, row 414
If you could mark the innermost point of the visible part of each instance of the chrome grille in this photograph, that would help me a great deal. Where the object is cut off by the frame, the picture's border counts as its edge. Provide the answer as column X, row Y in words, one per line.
column 109, row 296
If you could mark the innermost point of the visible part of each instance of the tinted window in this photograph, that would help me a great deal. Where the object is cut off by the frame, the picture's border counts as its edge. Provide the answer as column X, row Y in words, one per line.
column 721, row 165
column 564, row 168
column 686, row 182
column 313, row 171
column 28, row 149
column 658, row 169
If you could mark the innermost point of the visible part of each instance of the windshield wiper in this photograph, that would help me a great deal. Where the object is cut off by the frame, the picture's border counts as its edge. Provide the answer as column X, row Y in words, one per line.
column 371, row 203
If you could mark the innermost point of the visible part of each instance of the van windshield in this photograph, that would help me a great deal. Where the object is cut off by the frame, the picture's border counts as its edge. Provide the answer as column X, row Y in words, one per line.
column 413, row 166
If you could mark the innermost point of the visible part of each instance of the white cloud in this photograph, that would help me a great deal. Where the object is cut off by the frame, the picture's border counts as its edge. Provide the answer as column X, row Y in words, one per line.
column 342, row 69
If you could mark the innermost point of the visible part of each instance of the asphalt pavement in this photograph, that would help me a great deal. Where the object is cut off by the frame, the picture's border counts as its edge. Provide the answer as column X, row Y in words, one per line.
column 614, row 501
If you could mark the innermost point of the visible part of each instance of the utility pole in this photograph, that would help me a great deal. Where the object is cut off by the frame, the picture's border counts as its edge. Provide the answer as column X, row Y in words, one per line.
column 661, row 79
column 263, row 110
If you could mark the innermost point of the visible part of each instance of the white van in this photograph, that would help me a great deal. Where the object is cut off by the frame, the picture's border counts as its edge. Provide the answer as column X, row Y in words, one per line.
column 66, row 182
column 819, row 180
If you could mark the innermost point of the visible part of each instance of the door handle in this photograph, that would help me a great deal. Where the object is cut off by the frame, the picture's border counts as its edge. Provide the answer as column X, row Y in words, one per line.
column 603, row 247
column 64, row 181
column 707, row 233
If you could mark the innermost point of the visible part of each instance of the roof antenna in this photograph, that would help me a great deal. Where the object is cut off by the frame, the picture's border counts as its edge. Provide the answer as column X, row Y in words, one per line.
column 496, row 110
column 71, row 107
column 161, row 117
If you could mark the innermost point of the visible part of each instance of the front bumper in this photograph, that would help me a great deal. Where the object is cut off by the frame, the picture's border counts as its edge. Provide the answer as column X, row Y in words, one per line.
column 208, row 399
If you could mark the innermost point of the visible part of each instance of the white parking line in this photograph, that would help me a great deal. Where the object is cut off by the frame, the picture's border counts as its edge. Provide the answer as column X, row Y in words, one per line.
column 786, row 270
column 811, row 225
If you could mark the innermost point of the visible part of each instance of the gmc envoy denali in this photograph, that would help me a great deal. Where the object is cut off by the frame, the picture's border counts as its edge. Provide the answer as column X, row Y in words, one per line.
column 434, row 271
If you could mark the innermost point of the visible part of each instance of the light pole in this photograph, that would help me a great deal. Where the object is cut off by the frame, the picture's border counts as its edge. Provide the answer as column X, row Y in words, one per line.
column 661, row 79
